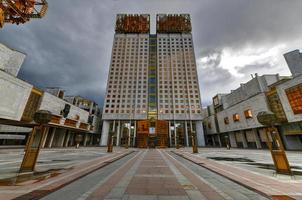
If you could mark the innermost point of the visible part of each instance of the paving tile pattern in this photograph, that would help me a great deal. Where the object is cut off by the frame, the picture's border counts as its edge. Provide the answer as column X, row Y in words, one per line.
column 267, row 186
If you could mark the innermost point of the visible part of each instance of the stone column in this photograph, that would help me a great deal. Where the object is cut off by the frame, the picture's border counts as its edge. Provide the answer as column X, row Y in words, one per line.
column 175, row 135
column 186, row 133
column 170, row 139
column 213, row 140
column 257, row 139
column 45, row 137
column 200, row 134
column 62, row 137
column 105, row 132
column 118, row 133
column 71, row 139
column 232, row 138
column 244, row 142
column 85, row 139
column 134, row 135
column 67, row 138
column 51, row 137
column 219, row 141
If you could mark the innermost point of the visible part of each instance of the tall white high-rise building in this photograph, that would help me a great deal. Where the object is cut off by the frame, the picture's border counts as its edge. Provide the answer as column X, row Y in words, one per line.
column 153, row 96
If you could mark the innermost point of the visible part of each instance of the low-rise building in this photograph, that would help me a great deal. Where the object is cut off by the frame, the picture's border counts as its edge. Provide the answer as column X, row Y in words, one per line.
column 232, row 118
column 10, row 60
column 290, row 97
column 94, row 116
column 20, row 100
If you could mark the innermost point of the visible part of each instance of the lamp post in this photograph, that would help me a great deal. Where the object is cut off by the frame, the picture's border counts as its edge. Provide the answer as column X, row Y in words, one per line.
column 274, row 142
column 109, row 142
column 177, row 139
column 34, row 142
column 194, row 142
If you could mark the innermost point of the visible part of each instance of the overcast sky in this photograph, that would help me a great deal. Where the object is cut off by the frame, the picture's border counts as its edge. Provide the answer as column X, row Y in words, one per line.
column 71, row 46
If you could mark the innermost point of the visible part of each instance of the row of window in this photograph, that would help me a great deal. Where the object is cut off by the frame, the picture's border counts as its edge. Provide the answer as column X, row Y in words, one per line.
column 236, row 117
column 143, row 111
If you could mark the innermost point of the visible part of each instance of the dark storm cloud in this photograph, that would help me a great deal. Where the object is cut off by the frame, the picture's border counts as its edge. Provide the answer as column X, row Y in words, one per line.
column 71, row 46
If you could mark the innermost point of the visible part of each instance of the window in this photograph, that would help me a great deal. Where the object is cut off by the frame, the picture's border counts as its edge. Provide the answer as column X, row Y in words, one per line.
column 294, row 95
column 226, row 120
column 248, row 114
column 236, row 117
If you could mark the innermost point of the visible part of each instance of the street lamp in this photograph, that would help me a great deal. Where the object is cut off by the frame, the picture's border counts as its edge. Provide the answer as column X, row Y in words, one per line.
column 177, row 138
column 34, row 142
column 276, row 147
column 109, row 142
column 194, row 142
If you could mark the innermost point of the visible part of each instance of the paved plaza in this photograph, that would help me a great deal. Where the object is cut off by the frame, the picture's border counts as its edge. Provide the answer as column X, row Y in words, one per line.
column 257, row 161
column 154, row 174
column 91, row 173
column 49, row 159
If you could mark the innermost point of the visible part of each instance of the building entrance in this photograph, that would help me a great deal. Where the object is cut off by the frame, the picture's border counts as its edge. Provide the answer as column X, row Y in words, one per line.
column 149, row 138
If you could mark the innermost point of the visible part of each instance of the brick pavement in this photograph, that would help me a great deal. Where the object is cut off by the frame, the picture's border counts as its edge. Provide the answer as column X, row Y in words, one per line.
column 35, row 189
column 154, row 174
column 271, row 187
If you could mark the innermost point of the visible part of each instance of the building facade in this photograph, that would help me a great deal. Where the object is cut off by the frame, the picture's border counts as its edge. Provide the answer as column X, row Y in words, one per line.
column 232, row 118
column 152, row 95
column 94, row 118
column 10, row 60
column 20, row 100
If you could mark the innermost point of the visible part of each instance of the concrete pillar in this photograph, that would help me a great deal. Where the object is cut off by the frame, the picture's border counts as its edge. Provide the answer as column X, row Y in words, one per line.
column 129, row 135
column 51, row 137
column 257, row 139
column 213, row 140
column 71, row 139
column 134, row 135
column 175, row 138
column 200, row 134
column 85, row 139
column 105, row 132
column 170, row 139
column 186, row 133
column 91, row 139
column 232, row 138
column 62, row 137
column 219, row 141
column 244, row 142
column 45, row 137
column 118, row 137
column 67, row 138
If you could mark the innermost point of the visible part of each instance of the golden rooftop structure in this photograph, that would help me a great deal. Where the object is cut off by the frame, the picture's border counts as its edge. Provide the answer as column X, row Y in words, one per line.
column 21, row 11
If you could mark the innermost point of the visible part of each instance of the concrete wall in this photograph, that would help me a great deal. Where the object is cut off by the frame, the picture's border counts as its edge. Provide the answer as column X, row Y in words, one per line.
column 14, row 94
column 251, row 88
column 211, row 120
column 14, row 129
column 200, row 134
column 10, row 60
column 256, row 104
column 291, row 117
column 294, row 62
column 55, row 105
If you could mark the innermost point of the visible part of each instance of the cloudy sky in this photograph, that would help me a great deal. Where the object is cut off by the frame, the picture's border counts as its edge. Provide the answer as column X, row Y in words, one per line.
column 233, row 39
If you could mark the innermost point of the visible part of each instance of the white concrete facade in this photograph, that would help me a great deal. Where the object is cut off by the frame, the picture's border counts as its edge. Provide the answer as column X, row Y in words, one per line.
column 126, row 93
column 56, row 105
column 14, row 94
column 294, row 62
column 158, row 70
column 255, row 104
column 11, row 60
